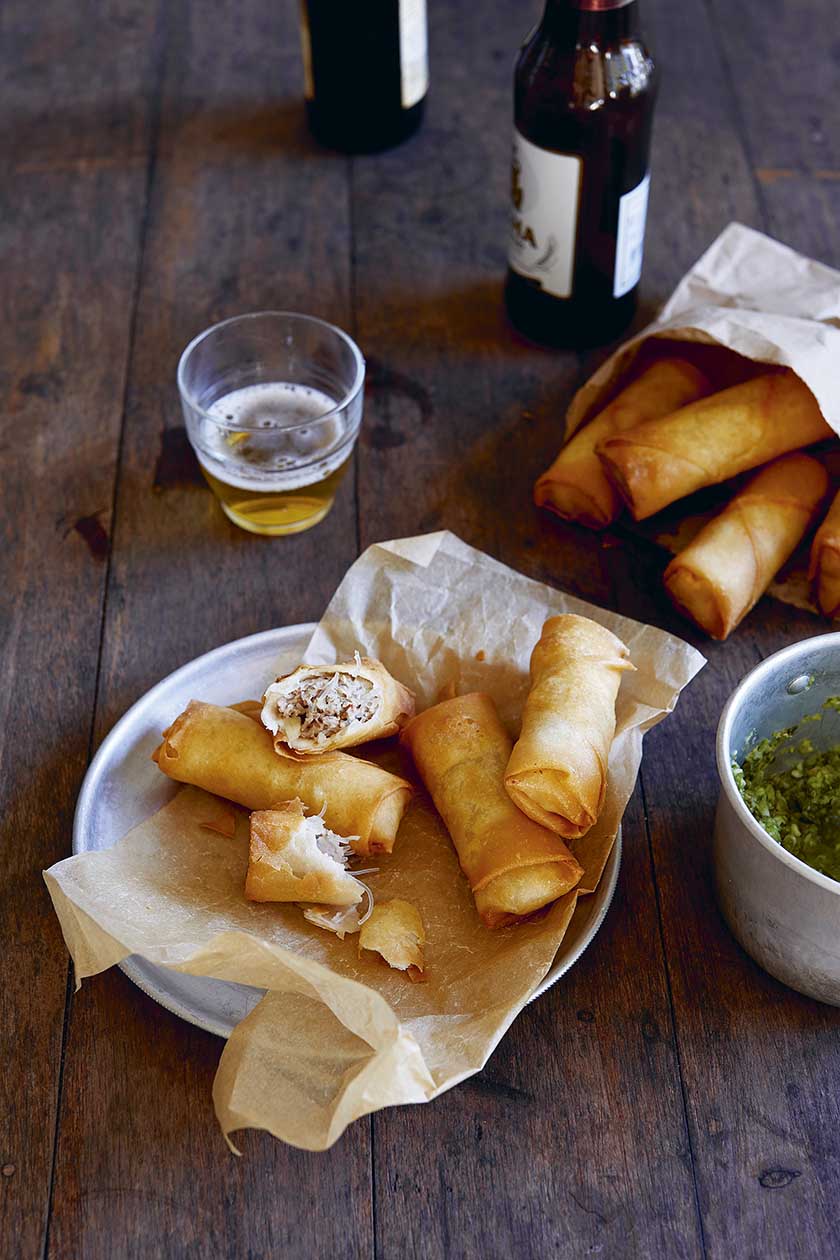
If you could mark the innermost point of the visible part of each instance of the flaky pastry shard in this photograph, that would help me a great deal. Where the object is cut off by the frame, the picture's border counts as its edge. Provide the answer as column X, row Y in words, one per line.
column 395, row 931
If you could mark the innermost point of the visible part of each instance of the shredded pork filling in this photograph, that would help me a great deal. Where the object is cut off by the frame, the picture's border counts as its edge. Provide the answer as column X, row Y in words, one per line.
column 321, row 707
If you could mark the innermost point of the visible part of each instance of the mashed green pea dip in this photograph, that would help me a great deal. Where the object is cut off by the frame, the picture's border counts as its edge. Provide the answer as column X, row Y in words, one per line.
column 799, row 806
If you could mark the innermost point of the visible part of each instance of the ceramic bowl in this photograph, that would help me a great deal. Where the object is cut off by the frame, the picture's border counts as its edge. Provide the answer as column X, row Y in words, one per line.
column 785, row 914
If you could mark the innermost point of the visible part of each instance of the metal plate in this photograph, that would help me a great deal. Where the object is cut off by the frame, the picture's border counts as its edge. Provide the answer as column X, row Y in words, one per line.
column 123, row 786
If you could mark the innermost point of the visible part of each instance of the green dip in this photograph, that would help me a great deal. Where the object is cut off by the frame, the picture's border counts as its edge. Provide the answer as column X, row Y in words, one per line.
column 801, row 806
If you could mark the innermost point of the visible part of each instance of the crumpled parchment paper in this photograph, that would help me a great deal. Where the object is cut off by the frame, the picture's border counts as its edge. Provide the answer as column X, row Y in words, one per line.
column 755, row 296
column 337, row 1036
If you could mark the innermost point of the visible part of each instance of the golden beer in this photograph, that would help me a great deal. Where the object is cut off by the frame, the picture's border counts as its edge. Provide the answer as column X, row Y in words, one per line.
column 275, row 455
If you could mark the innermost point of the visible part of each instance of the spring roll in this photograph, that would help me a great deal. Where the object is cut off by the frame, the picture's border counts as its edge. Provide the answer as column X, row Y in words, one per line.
column 729, row 565
column 513, row 865
column 557, row 772
column 317, row 708
column 295, row 858
column 712, row 440
column 576, row 485
column 231, row 755
column 824, row 571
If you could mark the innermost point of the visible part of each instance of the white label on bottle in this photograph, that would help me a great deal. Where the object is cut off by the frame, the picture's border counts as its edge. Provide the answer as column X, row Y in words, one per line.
column 414, row 52
column 306, row 50
column 630, row 241
column 545, row 188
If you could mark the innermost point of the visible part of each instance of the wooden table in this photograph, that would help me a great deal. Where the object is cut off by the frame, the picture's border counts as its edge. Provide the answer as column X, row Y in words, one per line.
column 667, row 1098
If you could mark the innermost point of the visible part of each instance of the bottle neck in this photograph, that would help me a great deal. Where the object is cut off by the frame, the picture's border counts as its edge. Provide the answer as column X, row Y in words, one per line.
column 596, row 20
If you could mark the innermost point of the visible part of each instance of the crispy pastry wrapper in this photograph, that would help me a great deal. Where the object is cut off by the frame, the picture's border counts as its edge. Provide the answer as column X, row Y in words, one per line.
column 227, row 751
column 719, row 576
column 395, row 932
column 576, row 485
column 513, row 865
column 824, row 567
column 336, row 1035
column 770, row 305
column 284, row 863
column 557, row 772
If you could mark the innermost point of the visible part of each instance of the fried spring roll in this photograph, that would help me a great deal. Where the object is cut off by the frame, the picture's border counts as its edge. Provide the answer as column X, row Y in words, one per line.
column 726, row 569
column 576, row 485
column 824, row 571
column 712, row 440
column 295, row 858
column 557, row 772
column 230, row 754
column 513, row 865
column 321, row 707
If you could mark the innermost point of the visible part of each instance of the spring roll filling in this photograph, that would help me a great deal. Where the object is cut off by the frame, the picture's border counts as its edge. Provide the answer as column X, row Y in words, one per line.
column 321, row 706
column 342, row 920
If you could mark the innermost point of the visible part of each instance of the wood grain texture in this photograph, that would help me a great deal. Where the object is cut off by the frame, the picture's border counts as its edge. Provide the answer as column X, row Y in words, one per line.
column 243, row 214
column 462, row 414
column 572, row 1141
column 69, row 237
column 666, row 1098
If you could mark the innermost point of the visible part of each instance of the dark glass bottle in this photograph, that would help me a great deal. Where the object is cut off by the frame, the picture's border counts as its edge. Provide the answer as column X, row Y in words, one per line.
column 585, row 89
column 366, row 71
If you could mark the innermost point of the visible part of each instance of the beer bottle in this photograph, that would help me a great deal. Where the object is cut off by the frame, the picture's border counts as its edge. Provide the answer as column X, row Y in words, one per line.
column 585, row 88
column 365, row 70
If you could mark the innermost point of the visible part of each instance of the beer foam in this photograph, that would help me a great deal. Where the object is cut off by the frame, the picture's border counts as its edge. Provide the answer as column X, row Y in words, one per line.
column 282, row 451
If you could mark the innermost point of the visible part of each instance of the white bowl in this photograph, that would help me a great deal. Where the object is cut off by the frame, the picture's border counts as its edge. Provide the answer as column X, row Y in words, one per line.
column 785, row 914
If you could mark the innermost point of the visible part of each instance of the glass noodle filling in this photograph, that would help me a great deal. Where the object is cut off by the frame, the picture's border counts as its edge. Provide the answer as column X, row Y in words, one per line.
column 335, row 848
column 320, row 707
column 329, row 842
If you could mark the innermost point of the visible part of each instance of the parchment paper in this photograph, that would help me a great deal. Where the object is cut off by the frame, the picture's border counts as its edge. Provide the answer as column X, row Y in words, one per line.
column 338, row 1036
column 759, row 298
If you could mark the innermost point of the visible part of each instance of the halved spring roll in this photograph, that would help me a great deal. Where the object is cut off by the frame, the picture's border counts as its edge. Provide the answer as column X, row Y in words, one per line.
column 557, row 772
column 293, row 857
column 711, row 440
column 824, row 571
column 317, row 708
column 514, row 866
column 726, row 569
column 230, row 754
column 576, row 485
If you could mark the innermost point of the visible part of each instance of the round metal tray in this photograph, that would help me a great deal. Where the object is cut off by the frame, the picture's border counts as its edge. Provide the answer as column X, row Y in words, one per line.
column 123, row 786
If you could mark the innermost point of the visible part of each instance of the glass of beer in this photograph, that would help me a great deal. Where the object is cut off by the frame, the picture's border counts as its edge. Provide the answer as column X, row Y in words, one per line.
column 273, row 404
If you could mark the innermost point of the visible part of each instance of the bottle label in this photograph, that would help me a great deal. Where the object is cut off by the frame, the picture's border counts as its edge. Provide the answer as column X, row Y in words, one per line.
column 414, row 55
column 630, row 240
column 545, row 188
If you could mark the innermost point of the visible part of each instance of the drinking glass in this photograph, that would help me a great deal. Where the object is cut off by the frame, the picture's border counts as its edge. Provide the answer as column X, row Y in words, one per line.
column 273, row 403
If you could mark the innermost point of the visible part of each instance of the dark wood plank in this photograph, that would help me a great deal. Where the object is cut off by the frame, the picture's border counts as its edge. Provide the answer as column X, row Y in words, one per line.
column 244, row 214
column 572, row 1141
column 574, row 1137
column 69, row 235
column 462, row 414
